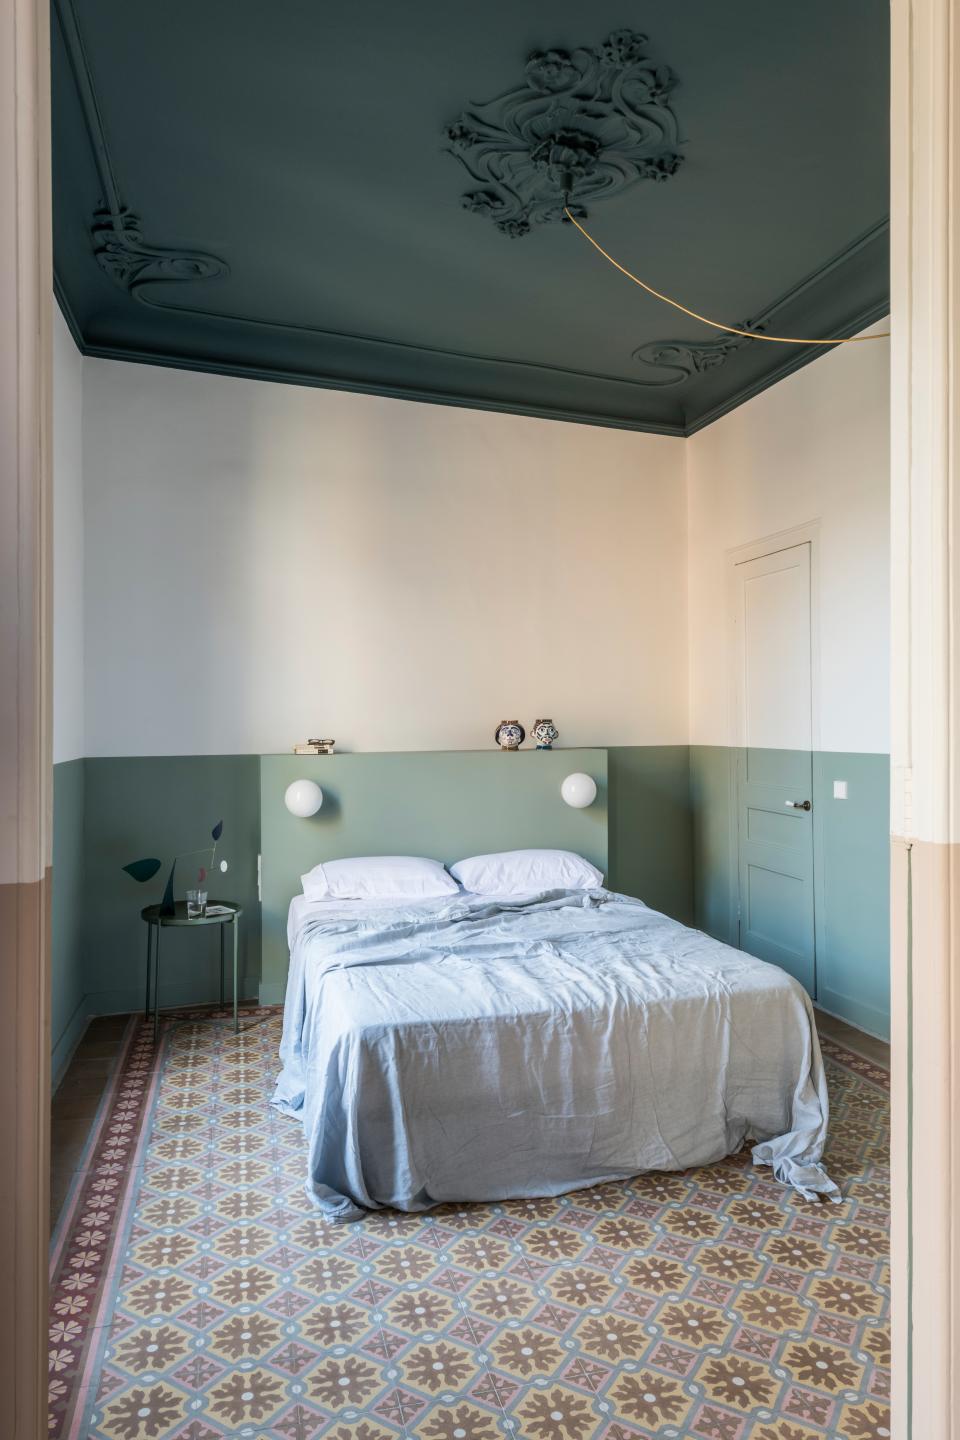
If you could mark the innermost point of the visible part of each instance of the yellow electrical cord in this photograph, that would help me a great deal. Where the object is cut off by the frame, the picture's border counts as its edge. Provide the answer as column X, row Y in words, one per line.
column 715, row 324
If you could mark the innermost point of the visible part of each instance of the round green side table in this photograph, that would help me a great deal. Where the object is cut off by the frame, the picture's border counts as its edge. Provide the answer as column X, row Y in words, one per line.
column 156, row 921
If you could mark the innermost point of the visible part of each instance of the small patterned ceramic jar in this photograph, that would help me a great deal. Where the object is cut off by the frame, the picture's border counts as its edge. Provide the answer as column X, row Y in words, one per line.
column 510, row 735
column 545, row 732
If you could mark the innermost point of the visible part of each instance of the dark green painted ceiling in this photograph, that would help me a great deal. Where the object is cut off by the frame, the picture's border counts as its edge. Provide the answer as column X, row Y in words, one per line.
column 298, row 153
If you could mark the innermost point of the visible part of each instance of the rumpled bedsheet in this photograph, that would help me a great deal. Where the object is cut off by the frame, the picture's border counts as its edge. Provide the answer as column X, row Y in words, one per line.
column 478, row 1049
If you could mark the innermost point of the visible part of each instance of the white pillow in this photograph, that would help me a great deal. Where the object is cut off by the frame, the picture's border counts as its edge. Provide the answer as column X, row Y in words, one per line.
column 378, row 877
column 523, row 872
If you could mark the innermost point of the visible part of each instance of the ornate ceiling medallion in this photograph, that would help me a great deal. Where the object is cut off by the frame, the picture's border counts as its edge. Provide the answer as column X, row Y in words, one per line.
column 584, row 125
column 131, row 263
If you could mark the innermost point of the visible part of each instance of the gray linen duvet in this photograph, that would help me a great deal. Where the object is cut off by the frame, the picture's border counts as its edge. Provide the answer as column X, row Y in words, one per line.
column 478, row 1049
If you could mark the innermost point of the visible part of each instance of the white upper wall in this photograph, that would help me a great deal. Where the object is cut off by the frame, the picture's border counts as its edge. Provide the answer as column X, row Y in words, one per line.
column 68, row 524
column 813, row 447
column 266, row 562
column 263, row 561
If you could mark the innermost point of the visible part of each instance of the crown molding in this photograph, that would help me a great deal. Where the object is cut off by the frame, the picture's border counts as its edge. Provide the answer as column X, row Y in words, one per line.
column 66, row 310
column 450, row 378
column 861, row 321
column 689, row 359
column 172, row 360
column 427, row 394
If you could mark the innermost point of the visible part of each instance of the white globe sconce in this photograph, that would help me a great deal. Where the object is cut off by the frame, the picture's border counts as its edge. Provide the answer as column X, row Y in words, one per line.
column 303, row 798
column 579, row 790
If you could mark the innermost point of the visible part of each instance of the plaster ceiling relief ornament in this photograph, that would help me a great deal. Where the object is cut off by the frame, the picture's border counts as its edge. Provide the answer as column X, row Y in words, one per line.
column 678, row 361
column 123, row 254
column 584, row 125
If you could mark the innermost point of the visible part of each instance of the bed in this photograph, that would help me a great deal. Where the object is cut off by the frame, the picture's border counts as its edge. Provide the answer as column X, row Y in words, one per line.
column 469, row 1048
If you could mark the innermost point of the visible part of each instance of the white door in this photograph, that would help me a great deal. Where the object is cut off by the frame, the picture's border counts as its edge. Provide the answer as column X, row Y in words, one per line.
column 774, row 690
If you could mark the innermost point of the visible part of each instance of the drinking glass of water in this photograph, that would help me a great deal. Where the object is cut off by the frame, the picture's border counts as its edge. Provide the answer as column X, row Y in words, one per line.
column 196, row 904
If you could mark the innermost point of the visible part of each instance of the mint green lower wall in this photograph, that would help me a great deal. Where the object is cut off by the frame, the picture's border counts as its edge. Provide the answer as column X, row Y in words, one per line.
column 712, row 799
column 68, row 1000
column 851, row 873
column 444, row 804
column 668, row 839
column 110, row 811
column 163, row 806
column 650, row 823
column 852, row 881
column 107, row 812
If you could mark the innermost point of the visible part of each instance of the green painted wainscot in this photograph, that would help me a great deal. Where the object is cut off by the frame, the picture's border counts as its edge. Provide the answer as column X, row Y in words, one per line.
column 451, row 804
column 851, row 873
column 69, row 1007
column 445, row 805
column 660, row 828
column 107, row 812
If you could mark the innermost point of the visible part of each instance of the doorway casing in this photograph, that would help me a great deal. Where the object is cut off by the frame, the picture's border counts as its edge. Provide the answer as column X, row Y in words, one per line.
column 925, row 290
column 26, row 775
column 925, row 715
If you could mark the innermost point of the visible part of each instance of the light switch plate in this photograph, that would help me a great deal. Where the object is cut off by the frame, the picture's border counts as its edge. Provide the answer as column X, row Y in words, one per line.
column 839, row 789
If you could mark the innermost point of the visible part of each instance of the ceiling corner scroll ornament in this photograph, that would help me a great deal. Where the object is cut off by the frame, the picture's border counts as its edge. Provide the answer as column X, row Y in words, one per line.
column 678, row 361
column 115, row 230
column 124, row 255
column 584, row 125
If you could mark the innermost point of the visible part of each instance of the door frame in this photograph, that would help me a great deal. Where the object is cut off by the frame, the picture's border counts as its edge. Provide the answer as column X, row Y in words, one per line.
column 26, row 773
column 925, row 706
column 807, row 533
column 925, row 863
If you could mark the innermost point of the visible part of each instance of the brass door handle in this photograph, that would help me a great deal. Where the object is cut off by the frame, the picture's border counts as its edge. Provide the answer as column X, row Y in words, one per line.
column 799, row 804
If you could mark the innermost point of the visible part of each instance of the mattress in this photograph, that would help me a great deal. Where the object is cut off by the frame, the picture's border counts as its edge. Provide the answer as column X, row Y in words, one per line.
column 471, row 1048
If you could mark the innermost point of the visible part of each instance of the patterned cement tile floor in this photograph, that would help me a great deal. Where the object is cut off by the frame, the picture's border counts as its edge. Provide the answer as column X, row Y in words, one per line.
column 77, row 1101
column 195, row 1296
